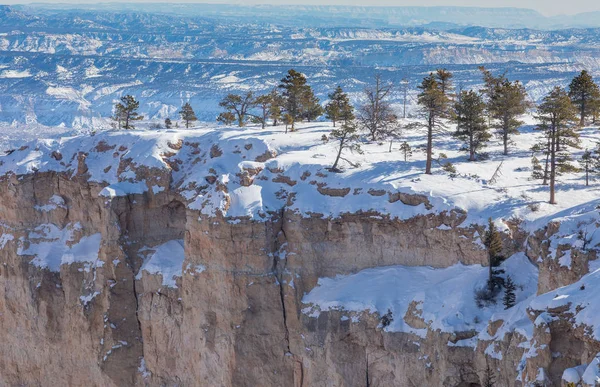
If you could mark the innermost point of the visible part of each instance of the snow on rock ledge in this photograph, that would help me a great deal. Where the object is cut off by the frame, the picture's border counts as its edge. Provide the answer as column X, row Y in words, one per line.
column 165, row 260
column 442, row 298
column 52, row 247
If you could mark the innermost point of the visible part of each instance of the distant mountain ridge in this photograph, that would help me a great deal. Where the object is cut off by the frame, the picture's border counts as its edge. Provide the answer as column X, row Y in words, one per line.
column 345, row 15
column 63, row 66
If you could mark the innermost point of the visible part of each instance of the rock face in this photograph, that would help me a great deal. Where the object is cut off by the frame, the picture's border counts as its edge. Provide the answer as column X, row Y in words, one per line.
column 231, row 312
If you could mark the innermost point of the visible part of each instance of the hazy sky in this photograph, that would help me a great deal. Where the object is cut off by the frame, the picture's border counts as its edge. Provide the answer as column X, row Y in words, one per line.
column 546, row 7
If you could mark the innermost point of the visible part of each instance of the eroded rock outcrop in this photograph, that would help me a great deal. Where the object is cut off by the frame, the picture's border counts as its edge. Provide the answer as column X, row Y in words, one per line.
column 85, row 283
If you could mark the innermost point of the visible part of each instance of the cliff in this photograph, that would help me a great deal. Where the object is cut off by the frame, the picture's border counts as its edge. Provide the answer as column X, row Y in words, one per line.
column 235, row 258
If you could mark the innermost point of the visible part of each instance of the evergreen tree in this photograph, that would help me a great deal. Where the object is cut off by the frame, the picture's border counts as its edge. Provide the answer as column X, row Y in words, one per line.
column 434, row 105
column 506, row 103
column 276, row 107
column 375, row 114
column 168, row 123
column 126, row 112
column 263, row 102
column 537, row 172
column 471, row 128
column 287, row 120
column 493, row 243
column 226, row 118
column 312, row 109
column 187, row 114
column 488, row 377
column 299, row 101
column 347, row 136
column 587, row 160
column 509, row 299
column 585, row 95
column 491, row 83
column 239, row 106
column 557, row 114
column 338, row 105
column 406, row 150
column 444, row 79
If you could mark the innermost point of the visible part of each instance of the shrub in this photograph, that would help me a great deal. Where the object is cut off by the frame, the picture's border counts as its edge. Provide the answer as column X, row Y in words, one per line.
column 387, row 319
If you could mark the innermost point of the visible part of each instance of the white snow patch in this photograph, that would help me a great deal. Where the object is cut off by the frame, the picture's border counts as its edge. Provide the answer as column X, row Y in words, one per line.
column 53, row 247
column 166, row 260
column 447, row 295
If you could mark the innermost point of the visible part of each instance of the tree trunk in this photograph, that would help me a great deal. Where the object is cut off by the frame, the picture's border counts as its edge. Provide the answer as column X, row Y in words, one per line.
column 587, row 174
column 545, row 182
column 505, row 139
column 490, row 273
column 337, row 159
column 429, row 147
column 582, row 119
column 390, row 150
column 471, row 148
column 552, row 166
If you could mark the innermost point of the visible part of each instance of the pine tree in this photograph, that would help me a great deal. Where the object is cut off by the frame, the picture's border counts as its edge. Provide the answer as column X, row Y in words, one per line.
column 406, row 150
column 506, row 103
column 126, row 112
column 187, row 114
column 239, row 106
column 276, row 108
column 471, row 128
column 311, row 107
column 348, row 138
column 376, row 115
column 299, row 101
column 491, row 83
column 488, row 377
column 226, row 118
column 434, row 105
column 557, row 114
column 589, row 162
column 338, row 104
column 287, row 120
column 493, row 243
column 168, row 123
column 585, row 95
column 263, row 102
column 537, row 172
column 444, row 79
column 509, row 299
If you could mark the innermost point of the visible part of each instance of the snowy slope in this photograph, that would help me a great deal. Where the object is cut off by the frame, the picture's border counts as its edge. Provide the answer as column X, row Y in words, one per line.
column 266, row 170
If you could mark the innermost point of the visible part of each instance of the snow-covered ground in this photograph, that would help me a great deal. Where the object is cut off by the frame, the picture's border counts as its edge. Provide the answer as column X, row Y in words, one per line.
column 444, row 298
column 300, row 167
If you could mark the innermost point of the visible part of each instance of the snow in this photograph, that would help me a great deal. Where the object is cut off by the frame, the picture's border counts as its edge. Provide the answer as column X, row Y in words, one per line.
column 296, row 176
column 165, row 260
column 52, row 247
column 123, row 188
column 581, row 299
column 591, row 376
column 4, row 239
column 245, row 201
column 573, row 375
column 54, row 203
column 15, row 74
column 446, row 295
column 87, row 299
